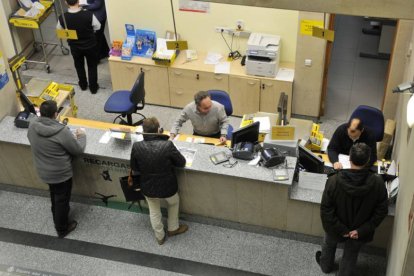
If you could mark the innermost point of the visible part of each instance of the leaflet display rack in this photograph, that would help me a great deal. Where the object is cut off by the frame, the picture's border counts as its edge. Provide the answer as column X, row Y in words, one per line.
column 34, row 23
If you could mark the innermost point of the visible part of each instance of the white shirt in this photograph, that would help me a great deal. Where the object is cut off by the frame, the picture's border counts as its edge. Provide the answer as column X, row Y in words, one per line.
column 95, row 23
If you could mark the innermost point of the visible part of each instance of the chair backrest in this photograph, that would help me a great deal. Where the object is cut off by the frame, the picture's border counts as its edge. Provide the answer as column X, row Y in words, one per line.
column 138, row 90
column 222, row 97
column 372, row 118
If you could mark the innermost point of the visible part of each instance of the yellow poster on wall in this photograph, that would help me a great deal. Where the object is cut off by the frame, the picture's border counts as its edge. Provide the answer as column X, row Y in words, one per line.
column 306, row 26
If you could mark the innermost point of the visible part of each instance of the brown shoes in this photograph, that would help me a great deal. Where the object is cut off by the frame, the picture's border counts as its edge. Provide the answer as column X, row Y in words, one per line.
column 181, row 229
column 161, row 242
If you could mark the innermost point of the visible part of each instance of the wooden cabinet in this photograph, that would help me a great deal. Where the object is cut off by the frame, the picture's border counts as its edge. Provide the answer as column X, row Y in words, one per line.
column 244, row 94
column 185, row 83
column 270, row 91
column 124, row 75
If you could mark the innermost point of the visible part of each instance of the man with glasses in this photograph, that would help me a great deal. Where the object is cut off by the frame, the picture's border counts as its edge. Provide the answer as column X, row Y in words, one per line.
column 345, row 136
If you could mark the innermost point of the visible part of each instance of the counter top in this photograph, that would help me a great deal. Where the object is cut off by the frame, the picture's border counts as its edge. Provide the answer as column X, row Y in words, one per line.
column 121, row 150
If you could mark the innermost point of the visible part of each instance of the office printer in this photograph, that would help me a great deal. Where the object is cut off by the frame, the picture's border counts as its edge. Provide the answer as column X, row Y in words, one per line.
column 262, row 55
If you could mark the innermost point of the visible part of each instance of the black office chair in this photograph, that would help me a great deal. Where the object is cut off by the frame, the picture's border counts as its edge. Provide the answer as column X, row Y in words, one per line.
column 126, row 103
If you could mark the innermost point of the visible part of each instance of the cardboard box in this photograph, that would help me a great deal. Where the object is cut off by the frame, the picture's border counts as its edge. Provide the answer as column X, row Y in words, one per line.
column 382, row 149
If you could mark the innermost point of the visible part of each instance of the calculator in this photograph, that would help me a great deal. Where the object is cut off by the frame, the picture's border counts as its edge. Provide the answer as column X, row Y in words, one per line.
column 219, row 157
column 280, row 174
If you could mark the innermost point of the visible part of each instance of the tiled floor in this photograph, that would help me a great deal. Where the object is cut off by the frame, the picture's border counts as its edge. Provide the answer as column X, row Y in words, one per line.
column 353, row 80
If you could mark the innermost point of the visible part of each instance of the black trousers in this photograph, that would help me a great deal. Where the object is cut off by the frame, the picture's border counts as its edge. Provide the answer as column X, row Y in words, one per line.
column 60, row 196
column 102, row 47
column 349, row 258
column 79, row 56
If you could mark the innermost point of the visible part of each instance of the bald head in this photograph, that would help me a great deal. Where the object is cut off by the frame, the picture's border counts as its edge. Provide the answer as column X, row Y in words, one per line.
column 355, row 128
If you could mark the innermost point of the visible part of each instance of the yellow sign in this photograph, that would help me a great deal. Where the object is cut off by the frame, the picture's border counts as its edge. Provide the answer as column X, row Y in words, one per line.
column 306, row 26
column 177, row 45
column 283, row 132
column 24, row 23
column 67, row 34
column 323, row 33
column 16, row 61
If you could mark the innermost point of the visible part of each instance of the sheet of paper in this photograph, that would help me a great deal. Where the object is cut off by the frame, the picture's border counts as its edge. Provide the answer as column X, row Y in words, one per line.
column 83, row 2
column 264, row 123
column 312, row 181
column 325, row 143
column 344, row 160
column 212, row 58
column 117, row 135
column 199, row 140
column 392, row 170
column 255, row 161
column 285, row 74
column 189, row 155
column 222, row 68
column 105, row 138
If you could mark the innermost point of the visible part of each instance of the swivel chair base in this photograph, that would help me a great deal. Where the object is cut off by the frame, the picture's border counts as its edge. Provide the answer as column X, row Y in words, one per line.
column 129, row 121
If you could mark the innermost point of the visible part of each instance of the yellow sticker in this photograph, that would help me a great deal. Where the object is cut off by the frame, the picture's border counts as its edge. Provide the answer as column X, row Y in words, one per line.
column 66, row 34
column 306, row 26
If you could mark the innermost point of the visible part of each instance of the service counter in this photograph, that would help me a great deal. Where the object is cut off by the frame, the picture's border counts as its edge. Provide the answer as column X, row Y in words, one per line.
column 244, row 193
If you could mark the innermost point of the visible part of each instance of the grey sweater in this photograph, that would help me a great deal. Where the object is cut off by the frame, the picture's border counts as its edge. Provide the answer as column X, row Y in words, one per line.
column 53, row 146
column 205, row 124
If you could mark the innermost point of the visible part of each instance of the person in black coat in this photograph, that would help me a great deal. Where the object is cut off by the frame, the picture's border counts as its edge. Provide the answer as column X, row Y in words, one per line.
column 99, row 10
column 347, row 135
column 354, row 203
column 155, row 159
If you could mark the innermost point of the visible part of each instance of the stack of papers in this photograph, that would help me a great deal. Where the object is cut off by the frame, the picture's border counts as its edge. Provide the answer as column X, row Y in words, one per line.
column 264, row 124
column 162, row 51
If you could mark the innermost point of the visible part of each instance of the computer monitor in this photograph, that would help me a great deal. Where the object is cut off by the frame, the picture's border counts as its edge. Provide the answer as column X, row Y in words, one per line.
column 27, row 104
column 248, row 133
column 310, row 161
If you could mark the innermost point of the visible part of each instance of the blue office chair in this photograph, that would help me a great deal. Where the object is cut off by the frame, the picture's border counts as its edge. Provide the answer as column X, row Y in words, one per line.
column 126, row 103
column 372, row 118
column 222, row 97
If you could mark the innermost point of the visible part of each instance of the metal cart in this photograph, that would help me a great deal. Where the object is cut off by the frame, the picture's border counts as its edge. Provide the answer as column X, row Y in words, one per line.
column 35, row 24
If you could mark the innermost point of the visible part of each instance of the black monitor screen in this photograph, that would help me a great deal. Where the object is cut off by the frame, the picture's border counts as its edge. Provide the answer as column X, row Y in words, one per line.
column 310, row 161
column 27, row 104
column 248, row 133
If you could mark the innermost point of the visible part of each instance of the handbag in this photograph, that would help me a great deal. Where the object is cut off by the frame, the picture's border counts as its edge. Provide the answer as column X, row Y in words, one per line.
column 131, row 193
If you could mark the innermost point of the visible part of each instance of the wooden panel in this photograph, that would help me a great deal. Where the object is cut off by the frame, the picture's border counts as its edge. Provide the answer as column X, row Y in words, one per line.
column 244, row 94
column 270, row 93
column 156, row 85
column 123, row 75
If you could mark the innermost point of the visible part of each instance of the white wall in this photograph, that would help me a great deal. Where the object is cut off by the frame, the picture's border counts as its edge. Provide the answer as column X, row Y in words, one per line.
column 199, row 29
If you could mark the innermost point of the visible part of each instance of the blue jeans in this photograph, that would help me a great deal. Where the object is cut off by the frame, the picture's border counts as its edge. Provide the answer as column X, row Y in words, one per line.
column 349, row 258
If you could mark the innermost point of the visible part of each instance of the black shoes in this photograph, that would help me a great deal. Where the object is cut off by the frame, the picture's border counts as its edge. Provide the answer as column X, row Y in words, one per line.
column 71, row 226
column 318, row 257
column 318, row 260
column 94, row 89
column 82, row 86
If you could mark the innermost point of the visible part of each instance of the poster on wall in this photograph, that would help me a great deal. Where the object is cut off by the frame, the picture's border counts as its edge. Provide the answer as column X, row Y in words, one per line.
column 4, row 78
column 194, row 6
column 306, row 26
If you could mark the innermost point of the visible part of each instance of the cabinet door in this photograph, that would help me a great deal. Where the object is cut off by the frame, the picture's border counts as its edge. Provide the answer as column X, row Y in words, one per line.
column 244, row 94
column 270, row 94
column 185, row 83
column 124, row 75
column 156, row 85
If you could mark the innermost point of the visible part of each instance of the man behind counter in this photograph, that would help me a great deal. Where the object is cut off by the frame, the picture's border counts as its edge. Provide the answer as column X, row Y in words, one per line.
column 345, row 136
column 208, row 118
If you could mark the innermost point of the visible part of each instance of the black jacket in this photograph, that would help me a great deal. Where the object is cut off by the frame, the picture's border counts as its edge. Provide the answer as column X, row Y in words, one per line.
column 155, row 159
column 341, row 144
column 354, row 200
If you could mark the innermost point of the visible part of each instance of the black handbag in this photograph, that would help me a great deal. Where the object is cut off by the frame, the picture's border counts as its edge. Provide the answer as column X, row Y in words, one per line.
column 131, row 193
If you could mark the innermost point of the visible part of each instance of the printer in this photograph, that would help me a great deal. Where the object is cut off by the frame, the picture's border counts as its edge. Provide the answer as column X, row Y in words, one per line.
column 262, row 55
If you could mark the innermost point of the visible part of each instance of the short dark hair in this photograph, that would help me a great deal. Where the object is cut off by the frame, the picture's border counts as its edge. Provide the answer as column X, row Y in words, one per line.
column 48, row 109
column 359, row 154
column 151, row 125
column 360, row 126
column 199, row 96
column 72, row 2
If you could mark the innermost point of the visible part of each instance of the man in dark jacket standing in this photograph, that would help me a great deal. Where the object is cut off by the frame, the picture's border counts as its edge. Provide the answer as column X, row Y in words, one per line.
column 347, row 135
column 85, row 24
column 354, row 203
column 53, row 147
column 155, row 159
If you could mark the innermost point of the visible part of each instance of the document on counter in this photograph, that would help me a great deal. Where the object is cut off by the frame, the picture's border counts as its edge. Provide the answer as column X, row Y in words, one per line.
column 222, row 68
column 285, row 74
column 188, row 155
column 212, row 58
column 105, row 138
column 312, row 181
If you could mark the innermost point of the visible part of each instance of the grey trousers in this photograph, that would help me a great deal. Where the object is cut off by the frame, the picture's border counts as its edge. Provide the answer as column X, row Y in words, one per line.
column 349, row 258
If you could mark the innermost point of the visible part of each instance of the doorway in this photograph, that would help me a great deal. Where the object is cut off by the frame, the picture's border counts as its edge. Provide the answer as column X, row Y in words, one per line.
column 358, row 67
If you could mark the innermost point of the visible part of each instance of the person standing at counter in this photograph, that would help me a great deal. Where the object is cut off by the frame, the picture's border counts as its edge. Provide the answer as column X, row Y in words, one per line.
column 208, row 118
column 99, row 10
column 354, row 203
column 53, row 147
column 85, row 24
column 347, row 135
column 155, row 159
